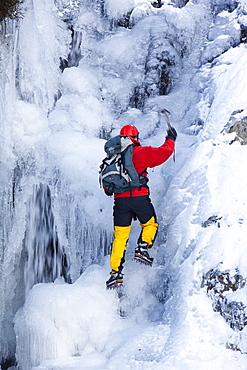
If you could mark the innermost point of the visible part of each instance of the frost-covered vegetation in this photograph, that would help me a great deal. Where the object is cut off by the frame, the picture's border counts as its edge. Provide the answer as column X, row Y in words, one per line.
column 10, row 9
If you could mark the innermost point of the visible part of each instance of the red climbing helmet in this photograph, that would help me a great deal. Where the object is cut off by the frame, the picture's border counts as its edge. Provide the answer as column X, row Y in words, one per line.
column 129, row 130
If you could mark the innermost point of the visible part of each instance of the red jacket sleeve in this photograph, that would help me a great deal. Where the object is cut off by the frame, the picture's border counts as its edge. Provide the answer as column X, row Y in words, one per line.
column 148, row 156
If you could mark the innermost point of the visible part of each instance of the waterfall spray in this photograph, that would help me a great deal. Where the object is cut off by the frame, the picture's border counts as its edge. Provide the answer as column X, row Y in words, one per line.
column 41, row 245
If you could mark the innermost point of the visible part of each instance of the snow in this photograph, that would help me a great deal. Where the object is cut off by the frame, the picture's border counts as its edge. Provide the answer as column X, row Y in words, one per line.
column 116, row 9
column 166, row 319
column 69, row 319
column 32, row 127
column 78, row 326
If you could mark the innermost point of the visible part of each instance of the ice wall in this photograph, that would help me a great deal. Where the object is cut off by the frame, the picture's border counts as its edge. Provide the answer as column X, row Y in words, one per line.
column 53, row 212
column 45, row 227
column 9, row 280
column 125, row 59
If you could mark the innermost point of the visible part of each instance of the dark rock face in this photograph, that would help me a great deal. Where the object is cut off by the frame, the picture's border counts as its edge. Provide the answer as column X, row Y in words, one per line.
column 212, row 220
column 218, row 283
column 240, row 127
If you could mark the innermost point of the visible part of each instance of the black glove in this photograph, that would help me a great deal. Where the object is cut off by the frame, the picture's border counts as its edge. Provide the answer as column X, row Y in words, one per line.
column 171, row 134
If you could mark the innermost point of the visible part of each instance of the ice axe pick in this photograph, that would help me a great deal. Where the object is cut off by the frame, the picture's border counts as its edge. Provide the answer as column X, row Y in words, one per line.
column 166, row 113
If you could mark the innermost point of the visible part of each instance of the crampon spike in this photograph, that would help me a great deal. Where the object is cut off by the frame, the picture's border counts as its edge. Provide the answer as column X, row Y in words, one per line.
column 117, row 285
column 141, row 261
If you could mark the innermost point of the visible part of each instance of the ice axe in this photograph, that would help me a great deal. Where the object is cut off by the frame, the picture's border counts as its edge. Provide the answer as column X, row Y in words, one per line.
column 166, row 113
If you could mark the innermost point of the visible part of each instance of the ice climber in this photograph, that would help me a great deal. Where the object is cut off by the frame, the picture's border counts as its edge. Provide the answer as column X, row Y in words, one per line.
column 136, row 204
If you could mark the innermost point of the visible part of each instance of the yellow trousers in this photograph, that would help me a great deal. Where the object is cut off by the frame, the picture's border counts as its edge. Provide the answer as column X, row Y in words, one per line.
column 121, row 236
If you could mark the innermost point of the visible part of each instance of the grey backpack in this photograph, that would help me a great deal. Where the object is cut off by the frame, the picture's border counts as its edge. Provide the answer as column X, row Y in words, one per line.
column 117, row 171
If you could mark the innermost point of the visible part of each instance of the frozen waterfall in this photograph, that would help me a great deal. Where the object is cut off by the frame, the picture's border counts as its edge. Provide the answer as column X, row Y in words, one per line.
column 71, row 74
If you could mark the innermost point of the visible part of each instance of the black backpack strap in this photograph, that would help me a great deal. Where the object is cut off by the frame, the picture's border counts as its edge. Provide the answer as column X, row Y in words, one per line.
column 145, row 171
column 143, row 180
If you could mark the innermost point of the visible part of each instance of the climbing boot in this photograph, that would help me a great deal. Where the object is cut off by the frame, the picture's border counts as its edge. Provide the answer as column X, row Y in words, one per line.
column 115, row 281
column 142, row 255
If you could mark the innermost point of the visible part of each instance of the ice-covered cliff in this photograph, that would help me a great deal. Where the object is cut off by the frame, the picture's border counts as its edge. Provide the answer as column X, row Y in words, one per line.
column 71, row 74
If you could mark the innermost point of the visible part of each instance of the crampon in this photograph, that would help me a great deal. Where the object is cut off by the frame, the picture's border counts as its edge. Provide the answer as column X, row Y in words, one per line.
column 142, row 256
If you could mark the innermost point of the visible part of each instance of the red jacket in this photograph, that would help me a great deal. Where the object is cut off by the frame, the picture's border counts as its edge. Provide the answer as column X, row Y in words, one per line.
column 148, row 157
